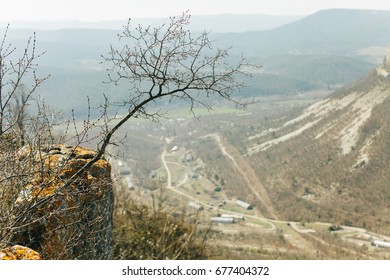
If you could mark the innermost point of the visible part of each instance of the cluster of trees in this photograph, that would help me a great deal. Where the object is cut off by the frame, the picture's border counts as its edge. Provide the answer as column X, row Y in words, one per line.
column 165, row 62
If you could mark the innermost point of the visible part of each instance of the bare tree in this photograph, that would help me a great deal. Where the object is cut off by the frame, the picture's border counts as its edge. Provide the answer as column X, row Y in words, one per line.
column 165, row 62
column 14, row 73
column 168, row 62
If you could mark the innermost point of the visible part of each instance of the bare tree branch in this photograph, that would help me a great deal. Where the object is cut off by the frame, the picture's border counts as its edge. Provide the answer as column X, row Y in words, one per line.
column 169, row 62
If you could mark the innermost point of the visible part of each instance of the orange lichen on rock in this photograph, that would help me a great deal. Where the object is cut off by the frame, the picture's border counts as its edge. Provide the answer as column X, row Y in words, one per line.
column 18, row 252
column 60, row 163
column 76, row 222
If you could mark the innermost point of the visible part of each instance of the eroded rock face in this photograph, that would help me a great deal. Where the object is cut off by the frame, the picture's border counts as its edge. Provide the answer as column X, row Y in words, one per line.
column 18, row 252
column 74, row 221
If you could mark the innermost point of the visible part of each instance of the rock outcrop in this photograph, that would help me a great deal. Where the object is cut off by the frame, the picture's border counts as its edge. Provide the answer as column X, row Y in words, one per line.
column 74, row 220
column 18, row 252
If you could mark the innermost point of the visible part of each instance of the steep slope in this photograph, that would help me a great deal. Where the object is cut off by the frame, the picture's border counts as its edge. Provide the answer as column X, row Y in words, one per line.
column 331, row 162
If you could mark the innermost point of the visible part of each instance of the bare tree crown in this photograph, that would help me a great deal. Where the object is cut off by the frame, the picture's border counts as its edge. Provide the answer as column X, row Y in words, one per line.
column 169, row 61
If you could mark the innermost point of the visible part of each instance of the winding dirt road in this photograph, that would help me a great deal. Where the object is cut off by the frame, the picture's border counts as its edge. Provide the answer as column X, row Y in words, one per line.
column 296, row 237
column 254, row 185
column 174, row 189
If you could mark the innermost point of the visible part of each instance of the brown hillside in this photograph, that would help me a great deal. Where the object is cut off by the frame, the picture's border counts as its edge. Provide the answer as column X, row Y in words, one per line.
column 331, row 162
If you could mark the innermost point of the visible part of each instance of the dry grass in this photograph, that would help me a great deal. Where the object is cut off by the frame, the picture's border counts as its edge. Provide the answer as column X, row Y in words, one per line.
column 150, row 232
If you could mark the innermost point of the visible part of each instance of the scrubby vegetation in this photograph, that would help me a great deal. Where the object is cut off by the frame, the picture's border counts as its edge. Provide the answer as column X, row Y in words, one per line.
column 154, row 232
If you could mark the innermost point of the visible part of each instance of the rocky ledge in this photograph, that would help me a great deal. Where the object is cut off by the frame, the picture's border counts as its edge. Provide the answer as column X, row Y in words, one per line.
column 75, row 219
column 18, row 252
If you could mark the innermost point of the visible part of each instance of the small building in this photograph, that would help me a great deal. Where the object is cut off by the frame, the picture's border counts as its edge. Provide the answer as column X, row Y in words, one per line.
column 124, row 171
column 222, row 220
column 234, row 216
column 193, row 175
column 123, row 168
column 387, row 58
column 188, row 158
column 244, row 204
column 129, row 183
column 174, row 149
column 195, row 206
column 153, row 174
column 380, row 243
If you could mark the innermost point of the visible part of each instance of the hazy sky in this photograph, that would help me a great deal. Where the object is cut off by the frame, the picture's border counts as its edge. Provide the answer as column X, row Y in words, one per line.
column 91, row 10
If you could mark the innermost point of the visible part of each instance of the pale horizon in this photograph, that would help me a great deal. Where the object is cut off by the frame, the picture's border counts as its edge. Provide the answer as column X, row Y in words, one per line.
column 90, row 11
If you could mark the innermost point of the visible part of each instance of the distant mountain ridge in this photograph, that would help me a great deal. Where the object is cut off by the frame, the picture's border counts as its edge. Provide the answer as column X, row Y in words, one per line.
column 325, row 32
column 217, row 23
column 322, row 51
